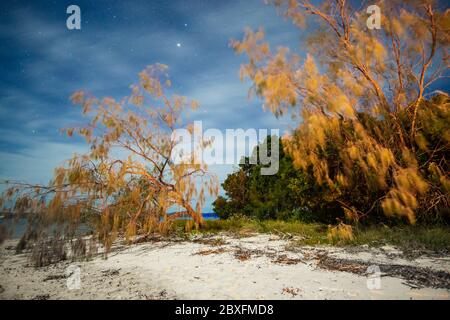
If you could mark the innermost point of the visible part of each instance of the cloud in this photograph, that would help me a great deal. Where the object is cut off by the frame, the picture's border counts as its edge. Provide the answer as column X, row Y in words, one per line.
column 35, row 163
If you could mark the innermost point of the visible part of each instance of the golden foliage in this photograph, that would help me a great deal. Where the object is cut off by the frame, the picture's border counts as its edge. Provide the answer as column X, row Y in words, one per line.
column 367, row 133
column 341, row 232
column 129, row 181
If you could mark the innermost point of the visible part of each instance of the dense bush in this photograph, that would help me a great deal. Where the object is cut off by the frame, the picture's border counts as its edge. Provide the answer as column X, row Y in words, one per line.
column 286, row 195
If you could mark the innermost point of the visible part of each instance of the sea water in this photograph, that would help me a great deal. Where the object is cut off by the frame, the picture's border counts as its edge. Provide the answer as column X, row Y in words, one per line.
column 19, row 226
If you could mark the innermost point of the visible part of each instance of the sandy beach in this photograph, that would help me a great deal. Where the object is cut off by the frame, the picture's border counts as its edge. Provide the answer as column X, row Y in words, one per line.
column 225, row 267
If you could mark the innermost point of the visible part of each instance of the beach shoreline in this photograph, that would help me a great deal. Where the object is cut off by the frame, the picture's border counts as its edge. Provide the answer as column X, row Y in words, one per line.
column 222, row 266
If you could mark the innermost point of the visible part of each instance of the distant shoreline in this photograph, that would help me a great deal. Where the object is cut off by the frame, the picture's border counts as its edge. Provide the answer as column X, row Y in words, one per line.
column 21, row 223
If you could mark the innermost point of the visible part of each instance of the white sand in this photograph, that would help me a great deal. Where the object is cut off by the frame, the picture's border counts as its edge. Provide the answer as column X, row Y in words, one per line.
column 168, row 270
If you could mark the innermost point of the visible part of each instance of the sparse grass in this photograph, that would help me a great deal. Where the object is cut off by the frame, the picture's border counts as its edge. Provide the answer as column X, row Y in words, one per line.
column 435, row 238
column 406, row 238
column 245, row 226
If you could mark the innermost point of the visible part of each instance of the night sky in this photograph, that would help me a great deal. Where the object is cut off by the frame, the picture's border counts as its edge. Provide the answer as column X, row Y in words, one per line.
column 43, row 63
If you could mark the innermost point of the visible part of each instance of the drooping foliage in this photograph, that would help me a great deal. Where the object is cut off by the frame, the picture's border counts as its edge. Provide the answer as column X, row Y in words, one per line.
column 131, row 182
column 367, row 132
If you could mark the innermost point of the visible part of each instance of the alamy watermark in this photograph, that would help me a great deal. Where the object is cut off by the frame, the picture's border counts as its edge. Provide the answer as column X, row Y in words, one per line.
column 73, row 280
column 374, row 20
column 373, row 277
column 229, row 147
column 73, row 22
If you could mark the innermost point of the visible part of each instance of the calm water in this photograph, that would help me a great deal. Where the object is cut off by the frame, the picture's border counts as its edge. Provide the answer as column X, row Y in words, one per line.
column 21, row 225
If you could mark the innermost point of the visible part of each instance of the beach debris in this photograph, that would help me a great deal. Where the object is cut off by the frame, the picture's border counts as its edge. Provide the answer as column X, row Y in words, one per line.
column 292, row 291
column 415, row 277
column 55, row 277
column 284, row 259
column 332, row 264
column 242, row 255
column 209, row 251
column 111, row 272
column 41, row 297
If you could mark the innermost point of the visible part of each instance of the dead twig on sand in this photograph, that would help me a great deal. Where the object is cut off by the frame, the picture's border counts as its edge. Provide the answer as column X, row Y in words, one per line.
column 111, row 272
column 242, row 255
column 210, row 251
column 55, row 277
column 292, row 291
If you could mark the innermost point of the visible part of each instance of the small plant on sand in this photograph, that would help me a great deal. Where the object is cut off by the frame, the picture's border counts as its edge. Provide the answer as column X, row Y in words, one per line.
column 3, row 233
column 341, row 232
column 47, row 251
